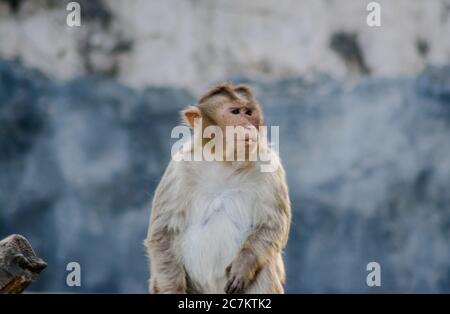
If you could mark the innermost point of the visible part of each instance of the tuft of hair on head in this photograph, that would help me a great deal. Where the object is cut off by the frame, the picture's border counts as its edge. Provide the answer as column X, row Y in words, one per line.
column 245, row 91
column 229, row 90
column 219, row 89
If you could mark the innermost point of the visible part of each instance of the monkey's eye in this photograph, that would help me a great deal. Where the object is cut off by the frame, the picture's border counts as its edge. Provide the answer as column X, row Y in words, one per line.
column 248, row 112
column 235, row 111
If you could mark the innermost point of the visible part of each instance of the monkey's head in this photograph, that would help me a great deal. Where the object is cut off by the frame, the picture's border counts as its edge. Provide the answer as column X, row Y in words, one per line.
column 228, row 105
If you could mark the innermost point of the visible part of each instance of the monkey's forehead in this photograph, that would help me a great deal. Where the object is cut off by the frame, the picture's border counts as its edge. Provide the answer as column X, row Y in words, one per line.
column 220, row 100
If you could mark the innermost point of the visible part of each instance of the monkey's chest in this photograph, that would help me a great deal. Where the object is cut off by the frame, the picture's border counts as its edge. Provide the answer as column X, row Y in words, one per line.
column 217, row 225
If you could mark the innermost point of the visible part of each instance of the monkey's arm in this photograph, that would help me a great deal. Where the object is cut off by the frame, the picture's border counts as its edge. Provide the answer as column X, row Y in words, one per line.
column 167, row 273
column 266, row 240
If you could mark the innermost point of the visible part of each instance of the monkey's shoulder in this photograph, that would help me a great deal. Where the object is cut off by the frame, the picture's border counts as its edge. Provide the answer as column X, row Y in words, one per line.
column 217, row 171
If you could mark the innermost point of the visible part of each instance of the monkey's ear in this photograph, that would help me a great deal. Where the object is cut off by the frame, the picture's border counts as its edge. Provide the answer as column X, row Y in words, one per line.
column 189, row 115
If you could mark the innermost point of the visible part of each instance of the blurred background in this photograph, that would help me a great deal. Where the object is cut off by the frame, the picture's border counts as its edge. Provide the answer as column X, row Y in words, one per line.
column 364, row 115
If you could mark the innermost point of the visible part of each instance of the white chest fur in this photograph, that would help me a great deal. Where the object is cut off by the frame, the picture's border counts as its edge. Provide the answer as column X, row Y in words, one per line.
column 220, row 217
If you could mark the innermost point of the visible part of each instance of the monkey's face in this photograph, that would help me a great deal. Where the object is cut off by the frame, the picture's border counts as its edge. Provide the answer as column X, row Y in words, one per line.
column 239, row 122
column 238, row 119
column 235, row 112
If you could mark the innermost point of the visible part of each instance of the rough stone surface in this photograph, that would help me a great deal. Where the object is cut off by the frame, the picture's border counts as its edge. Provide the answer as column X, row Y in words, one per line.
column 194, row 43
column 368, row 170
column 19, row 265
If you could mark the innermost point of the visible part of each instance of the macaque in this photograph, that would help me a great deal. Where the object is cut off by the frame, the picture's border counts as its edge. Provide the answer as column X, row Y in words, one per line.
column 220, row 226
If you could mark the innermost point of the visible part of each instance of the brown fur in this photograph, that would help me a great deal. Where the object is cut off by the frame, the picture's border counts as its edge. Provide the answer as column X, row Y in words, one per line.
column 258, row 266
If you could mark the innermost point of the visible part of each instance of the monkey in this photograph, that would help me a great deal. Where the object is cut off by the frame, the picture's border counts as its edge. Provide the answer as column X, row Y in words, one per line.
column 219, row 226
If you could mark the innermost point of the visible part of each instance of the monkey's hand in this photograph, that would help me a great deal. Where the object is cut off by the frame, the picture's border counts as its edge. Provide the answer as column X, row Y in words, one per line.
column 240, row 273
